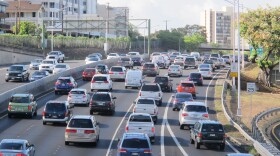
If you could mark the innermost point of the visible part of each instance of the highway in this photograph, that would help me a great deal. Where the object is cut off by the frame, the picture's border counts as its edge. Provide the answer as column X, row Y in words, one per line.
column 49, row 139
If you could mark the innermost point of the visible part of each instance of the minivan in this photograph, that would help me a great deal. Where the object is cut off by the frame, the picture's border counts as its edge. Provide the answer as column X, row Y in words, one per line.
column 134, row 78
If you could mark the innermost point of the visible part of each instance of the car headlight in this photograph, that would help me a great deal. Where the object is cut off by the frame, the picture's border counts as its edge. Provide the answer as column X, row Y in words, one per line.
column 19, row 74
column 7, row 74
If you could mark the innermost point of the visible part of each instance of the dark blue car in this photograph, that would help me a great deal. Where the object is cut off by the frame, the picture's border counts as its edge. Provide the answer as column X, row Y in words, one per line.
column 65, row 84
column 180, row 98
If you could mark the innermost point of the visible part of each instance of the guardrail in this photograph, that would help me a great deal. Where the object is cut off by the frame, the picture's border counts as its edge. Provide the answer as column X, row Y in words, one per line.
column 263, row 148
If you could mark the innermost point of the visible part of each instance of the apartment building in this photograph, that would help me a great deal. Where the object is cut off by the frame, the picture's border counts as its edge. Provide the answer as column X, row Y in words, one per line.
column 3, row 16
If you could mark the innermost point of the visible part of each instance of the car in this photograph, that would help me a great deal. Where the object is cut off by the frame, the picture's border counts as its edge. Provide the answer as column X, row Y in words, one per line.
column 56, row 55
column 101, row 82
column 146, row 105
column 150, row 68
column 39, row 75
column 196, row 77
column 102, row 69
column 154, row 54
column 60, row 67
column 164, row 82
column 151, row 90
column 57, row 112
column 172, row 58
column 78, row 96
column 205, row 66
column 22, row 104
column 17, row 72
column 94, row 55
column 16, row 147
column 125, row 62
column 206, row 73
column 35, row 64
column 215, row 62
column 211, row 62
column 205, row 57
column 208, row 132
column 134, row 144
column 197, row 55
column 222, row 62
column 191, row 113
column 65, row 85
column 179, row 60
column 133, row 53
column 134, row 78
column 137, row 61
column 190, row 62
column 48, row 65
column 160, row 61
column 187, row 87
column 227, row 58
column 82, row 129
column 113, row 55
column 122, row 54
column 102, row 102
column 175, row 70
column 167, row 60
column 88, row 73
column 179, row 99
column 92, row 60
column 215, row 55
column 117, row 73
column 141, row 123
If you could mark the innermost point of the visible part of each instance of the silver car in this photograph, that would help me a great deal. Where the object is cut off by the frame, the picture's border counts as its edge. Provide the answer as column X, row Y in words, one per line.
column 11, row 147
column 206, row 73
column 175, row 70
column 79, row 96
column 82, row 128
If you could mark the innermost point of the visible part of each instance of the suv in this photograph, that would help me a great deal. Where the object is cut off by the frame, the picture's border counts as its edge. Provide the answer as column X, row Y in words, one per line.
column 102, row 69
column 151, row 90
column 134, row 144
column 57, row 111
column 65, row 84
column 117, row 73
column 22, row 104
column 164, row 82
column 208, row 132
column 187, row 87
column 101, row 82
column 82, row 128
column 150, row 69
column 126, row 62
column 190, row 62
column 88, row 73
column 57, row 55
column 17, row 72
column 48, row 65
column 102, row 102
column 196, row 78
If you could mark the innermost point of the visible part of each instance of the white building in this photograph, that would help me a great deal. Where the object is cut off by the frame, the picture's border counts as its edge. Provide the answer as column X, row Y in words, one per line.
column 89, row 6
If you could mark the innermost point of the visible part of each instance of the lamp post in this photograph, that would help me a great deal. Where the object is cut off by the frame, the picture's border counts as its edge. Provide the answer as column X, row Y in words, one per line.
column 239, row 90
column 52, row 33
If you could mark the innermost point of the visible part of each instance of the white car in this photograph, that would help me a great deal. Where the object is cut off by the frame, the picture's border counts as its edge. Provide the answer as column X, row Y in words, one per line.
column 117, row 73
column 60, row 67
column 167, row 60
column 222, row 62
column 133, row 54
column 197, row 55
column 56, row 55
column 160, row 61
column 146, row 105
column 101, row 82
column 154, row 54
column 175, row 70
column 141, row 123
column 48, row 65
column 113, row 55
column 78, row 96
column 151, row 90
column 134, row 78
column 82, row 128
column 35, row 64
column 179, row 60
column 206, row 73
column 191, row 113
column 92, row 60
column 208, row 66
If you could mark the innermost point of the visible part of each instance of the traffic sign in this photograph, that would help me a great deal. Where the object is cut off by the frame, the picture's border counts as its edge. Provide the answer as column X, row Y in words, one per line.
column 233, row 74
column 233, row 70
column 251, row 87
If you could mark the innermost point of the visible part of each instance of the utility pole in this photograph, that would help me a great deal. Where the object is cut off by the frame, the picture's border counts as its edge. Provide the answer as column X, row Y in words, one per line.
column 166, row 25
column 19, row 14
column 233, row 60
column 108, row 11
column 106, row 46
column 149, row 36
column 239, row 85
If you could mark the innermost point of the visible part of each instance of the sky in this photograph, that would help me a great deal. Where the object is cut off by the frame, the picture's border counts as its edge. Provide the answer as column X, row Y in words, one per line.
column 178, row 13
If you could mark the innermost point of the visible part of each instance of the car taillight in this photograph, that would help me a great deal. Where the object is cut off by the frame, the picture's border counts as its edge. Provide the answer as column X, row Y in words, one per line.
column 43, row 113
column 57, row 83
column 92, row 81
column 90, row 104
column 9, row 108
column 126, row 128
column 122, row 150
column 19, row 154
column 205, row 115
column 121, row 73
column 185, row 114
column 1, row 154
column 175, row 101
column 134, row 110
column 66, row 114
column 153, row 129
column 89, row 131
column 84, row 73
column 140, row 93
column 111, row 72
column 199, row 135
column 29, row 108
column 147, row 151
column 106, row 81
column 71, row 84
column 71, row 131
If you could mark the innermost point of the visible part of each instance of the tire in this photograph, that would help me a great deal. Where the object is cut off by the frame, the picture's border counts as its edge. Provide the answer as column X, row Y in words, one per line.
column 171, row 89
column 66, row 143
column 182, row 127
column 55, row 92
column 35, row 113
column 112, row 112
column 22, row 79
column 196, row 144
column 194, row 96
column 44, row 122
column 63, row 60
column 125, row 87
column 31, row 115
column 9, row 116
column 7, row 80
column 94, row 143
column 90, row 112
column 160, row 102
column 191, row 140
column 174, row 109
column 222, row 147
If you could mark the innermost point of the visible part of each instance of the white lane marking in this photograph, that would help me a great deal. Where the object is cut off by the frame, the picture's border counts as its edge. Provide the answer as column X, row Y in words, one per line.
column 232, row 147
column 110, row 146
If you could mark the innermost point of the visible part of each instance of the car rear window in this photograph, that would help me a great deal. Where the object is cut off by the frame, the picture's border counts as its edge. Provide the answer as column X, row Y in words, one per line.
column 135, row 58
column 212, row 128
column 125, row 59
column 145, row 101
column 135, row 143
column 195, row 75
column 161, row 79
column 186, row 84
column 57, row 107
column 214, row 55
column 195, row 108
column 77, row 92
column 80, row 123
column 89, row 70
column 47, row 62
column 205, row 69
column 60, row 66
column 226, row 57
column 101, row 97
column 100, row 78
column 11, row 146
column 93, row 59
column 189, row 59
column 149, row 65
column 204, row 66
column 64, row 80
column 208, row 61
column 154, row 88
column 174, row 67
column 20, row 100
column 140, row 118
column 184, row 96
column 116, row 69
column 112, row 54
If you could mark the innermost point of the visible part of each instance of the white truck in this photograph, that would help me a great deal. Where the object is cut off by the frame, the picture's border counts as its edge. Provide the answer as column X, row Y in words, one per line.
column 56, row 55
column 146, row 105
column 141, row 123
column 151, row 90
column 48, row 65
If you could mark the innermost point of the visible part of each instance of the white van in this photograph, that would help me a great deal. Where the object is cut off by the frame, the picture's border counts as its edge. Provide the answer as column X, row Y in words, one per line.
column 134, row 78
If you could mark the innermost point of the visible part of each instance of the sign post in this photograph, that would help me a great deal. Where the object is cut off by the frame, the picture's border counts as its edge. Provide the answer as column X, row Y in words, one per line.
column 251, row 89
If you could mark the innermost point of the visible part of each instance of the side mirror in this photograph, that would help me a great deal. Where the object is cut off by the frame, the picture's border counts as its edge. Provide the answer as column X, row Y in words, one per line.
column 97, row 123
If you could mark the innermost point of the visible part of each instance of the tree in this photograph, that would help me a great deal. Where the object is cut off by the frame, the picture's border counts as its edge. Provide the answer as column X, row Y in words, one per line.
column 133, row 32
column 193, row 42
column 169, row 40
column 190, row 30
column 26, row 28
column 261, row 27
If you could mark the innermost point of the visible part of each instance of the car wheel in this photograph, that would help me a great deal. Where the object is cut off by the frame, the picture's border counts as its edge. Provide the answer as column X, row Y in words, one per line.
column 56, row 92
column 94, row 143
column 7, row 80
column 171, row 89
column 112, row 112
column 194, row 96
column 22, row 79
column 66, row 143
column 44, row 122
column 174, row 109
column 191, row 140
column 222, row 147
column 125, row 87
column 160, row 102
column 196, row 144
column 9, row 116
column 27, row 79
column 90, row 112
column 63, row 60
column 35, row 113
column 31, row 115
column 181, row 126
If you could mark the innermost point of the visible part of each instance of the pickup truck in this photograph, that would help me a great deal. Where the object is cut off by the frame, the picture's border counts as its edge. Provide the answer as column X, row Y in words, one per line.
column 146, row 105
column 151, row 90
column 48, row 65
column 141, row 123
column 56, row 55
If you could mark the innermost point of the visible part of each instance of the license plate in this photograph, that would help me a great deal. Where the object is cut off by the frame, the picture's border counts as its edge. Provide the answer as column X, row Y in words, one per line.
column 135, row 154
column 100, row 104
column 63, row 84
column 54, row 116
column 116, row 73
column 80, row 131
column 212, row 135
column 187, row 89
column 13, row 78
column 19, row 109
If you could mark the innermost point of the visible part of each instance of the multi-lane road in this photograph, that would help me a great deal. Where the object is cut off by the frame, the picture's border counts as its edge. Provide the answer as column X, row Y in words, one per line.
column 170, row 140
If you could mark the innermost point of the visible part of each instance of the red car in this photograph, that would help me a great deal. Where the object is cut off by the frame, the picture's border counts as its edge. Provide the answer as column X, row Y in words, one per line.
column 88, row 73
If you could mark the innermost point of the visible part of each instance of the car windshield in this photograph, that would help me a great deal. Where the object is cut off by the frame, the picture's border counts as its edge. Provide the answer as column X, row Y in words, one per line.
column 125, row 59
column 184, row 96
column 145, row 101
column 77, row 92
column 39, row 73
column 53, row 53
column 89, row 70
column 116, row 69
column 195, row 108
column 212, row 128
column 140, row 118
column 112, row 54
column 60, row 66
column 186, row 84
column 208, row 61
column 101, row 97
column 190, row 59
column 204, row 69
column 11, row 146
column 16, row 68
column 93, row 59
column 154, row 88
column 135, row 143
column 195, row 75
column 64, row 81
column 36, row 61
column 226, row 57
column 100, row 78
column 80, row 123
column 161, row 79
column 20, row 99
column 204, row 66
column 149, row 65
column 214, row 55
column 174, row 67
column 47, row 62
column 55, row 107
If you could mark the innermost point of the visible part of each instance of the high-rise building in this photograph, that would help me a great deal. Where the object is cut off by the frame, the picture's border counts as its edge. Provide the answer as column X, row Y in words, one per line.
column 3, row 16
column 89, row 6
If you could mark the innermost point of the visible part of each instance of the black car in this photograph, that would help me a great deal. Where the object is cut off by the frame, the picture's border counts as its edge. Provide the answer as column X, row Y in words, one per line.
column 102, row 69
column 208, row 132
column 137, row 61
column 65, row 84
column 17, row 72
column 164, row 82
column 102, row 102
column 196, row 78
